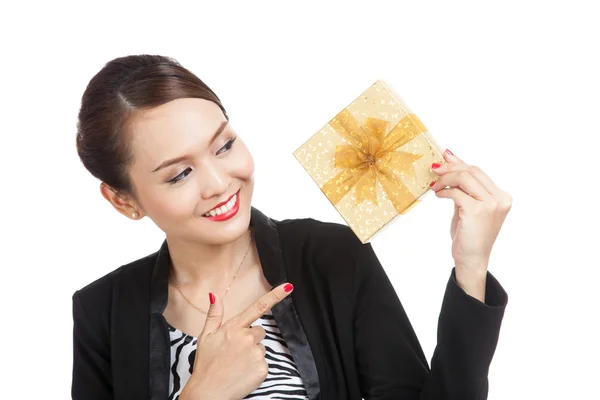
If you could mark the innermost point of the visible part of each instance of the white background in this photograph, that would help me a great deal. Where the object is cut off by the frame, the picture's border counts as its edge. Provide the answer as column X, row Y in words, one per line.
column 512, row 88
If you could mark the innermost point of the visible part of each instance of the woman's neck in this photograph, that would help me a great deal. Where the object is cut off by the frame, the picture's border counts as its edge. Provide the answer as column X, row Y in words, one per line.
column 203, row 264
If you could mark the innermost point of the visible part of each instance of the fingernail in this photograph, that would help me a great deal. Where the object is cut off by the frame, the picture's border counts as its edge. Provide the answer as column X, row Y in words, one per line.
column 449, row 152
column 288, row 288
column 435, row 165
column 432, row 183
column 211, row 297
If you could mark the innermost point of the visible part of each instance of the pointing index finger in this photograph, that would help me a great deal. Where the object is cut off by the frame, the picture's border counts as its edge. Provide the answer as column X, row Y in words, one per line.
column 262, row 305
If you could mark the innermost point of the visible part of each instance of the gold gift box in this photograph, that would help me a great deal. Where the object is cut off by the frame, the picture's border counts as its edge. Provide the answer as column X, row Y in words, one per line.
column 372, row 160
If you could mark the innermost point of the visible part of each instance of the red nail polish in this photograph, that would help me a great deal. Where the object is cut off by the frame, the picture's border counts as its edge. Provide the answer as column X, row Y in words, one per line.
column 449, row 152
column 432, row 183
column 211, row 297
column 288, row 288
column 435, row 165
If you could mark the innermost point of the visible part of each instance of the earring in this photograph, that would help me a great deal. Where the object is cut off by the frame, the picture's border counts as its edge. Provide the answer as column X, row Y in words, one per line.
column 134, row 215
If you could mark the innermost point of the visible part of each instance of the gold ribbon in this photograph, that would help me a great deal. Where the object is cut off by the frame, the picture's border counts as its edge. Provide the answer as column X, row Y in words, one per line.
column 370, row 156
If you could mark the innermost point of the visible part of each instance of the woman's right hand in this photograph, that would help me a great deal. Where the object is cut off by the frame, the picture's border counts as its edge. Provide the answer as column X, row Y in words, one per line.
column 230, row 360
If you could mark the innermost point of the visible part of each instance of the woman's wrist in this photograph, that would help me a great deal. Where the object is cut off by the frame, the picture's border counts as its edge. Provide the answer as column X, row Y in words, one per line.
column 472, row 282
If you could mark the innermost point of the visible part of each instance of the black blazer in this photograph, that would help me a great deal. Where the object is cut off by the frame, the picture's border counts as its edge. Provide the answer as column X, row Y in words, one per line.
column 344, row 324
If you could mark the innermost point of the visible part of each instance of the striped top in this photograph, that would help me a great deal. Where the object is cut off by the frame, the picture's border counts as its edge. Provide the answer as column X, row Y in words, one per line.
column 283, row 380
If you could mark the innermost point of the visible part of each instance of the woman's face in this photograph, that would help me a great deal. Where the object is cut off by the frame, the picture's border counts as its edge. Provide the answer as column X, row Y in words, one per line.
column 187, row 160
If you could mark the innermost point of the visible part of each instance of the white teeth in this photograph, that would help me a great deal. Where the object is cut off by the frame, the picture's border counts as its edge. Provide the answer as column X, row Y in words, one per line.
column 223, row 209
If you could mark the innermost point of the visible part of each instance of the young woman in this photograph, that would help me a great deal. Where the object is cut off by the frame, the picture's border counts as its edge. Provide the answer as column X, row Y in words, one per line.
column 237, row 305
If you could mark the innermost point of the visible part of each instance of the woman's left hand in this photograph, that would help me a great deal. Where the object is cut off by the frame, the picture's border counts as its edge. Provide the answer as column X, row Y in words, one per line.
column 480, row 208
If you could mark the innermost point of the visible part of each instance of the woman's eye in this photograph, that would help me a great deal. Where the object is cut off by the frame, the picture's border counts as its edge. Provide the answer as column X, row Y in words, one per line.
column 187, row 171
column 180, row 176
column 227, row 146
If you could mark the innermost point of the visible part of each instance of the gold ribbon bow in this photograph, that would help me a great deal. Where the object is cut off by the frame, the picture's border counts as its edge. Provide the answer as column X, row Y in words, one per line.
column 370, row 156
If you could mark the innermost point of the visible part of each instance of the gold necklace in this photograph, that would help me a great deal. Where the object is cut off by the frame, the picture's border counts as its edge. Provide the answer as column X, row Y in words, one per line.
column 238, row 270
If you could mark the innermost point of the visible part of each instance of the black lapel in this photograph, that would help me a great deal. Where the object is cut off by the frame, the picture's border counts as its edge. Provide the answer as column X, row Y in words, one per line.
column 268, row 244
column 160, row 344
column 269, row 251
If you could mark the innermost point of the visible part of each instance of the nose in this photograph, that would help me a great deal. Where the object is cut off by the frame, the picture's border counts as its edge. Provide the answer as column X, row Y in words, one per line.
column 214, row 180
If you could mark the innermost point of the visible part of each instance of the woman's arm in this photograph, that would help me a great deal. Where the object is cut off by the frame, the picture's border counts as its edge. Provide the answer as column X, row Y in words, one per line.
column 91, row 358
column 391, row 363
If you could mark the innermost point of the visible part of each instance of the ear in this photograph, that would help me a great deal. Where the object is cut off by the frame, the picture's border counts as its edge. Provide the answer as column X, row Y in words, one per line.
column 125, row 205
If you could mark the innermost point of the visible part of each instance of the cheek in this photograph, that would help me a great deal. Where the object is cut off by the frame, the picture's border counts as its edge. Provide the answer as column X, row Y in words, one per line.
column 164, row 203
column 243, row 168
column 173, row 203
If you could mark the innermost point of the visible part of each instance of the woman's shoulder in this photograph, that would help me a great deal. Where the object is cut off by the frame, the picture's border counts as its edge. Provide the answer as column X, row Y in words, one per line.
column 318, row 234
column 100, row 291
column 327, row 248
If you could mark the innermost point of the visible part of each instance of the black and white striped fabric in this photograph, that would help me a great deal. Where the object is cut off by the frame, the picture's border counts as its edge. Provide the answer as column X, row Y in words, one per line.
column 282, row 382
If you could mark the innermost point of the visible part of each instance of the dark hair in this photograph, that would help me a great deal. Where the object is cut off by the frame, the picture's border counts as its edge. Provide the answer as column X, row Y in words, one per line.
column 121, row 88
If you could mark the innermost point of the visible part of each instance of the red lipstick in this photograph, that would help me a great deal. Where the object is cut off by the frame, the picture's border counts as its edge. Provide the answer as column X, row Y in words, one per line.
column 230, row 213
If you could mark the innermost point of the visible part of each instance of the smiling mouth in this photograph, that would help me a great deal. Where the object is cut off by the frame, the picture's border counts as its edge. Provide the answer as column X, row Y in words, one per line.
column 224, row 208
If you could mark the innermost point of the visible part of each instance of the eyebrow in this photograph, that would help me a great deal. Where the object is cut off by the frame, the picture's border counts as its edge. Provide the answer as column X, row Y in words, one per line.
column 176, row 160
